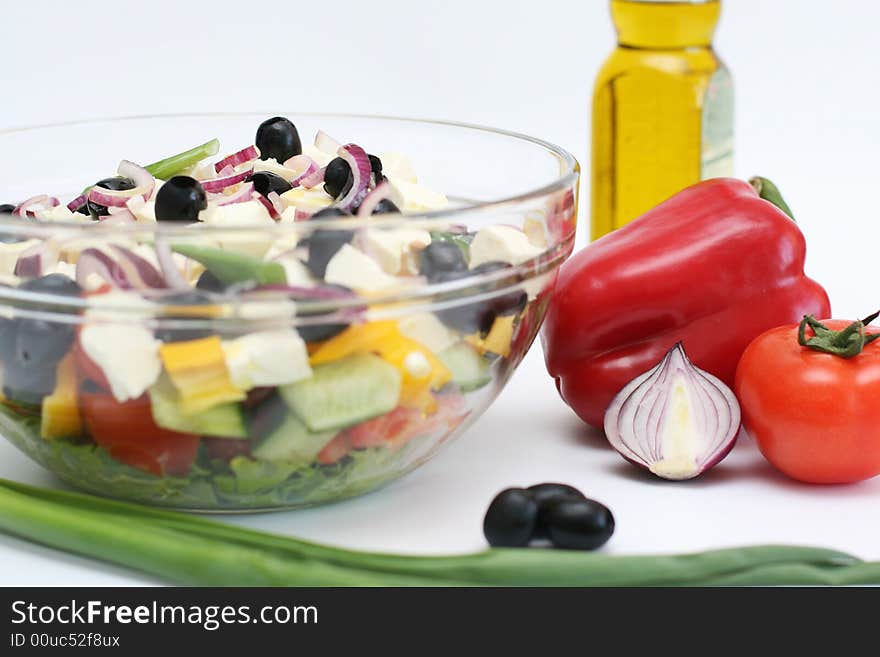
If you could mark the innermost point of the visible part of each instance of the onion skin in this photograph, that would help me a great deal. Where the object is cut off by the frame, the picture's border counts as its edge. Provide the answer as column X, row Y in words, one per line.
column 675, row 420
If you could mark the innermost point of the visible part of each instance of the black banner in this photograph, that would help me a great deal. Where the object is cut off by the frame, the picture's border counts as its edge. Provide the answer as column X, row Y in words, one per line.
column 395, row 621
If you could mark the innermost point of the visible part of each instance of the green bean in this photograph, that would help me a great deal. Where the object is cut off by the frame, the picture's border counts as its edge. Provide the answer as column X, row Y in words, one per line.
column 252, row 557
column 171, row 166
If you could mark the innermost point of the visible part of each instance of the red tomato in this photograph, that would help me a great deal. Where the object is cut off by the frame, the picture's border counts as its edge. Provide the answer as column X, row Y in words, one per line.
column 87, row 368
column 127, row 431
column 814, row 415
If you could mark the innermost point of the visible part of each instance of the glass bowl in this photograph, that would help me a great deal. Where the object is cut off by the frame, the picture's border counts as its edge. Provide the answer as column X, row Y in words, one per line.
column 143, row 392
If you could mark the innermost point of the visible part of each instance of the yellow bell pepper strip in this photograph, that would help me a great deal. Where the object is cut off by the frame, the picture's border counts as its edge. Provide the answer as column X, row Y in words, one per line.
column 421, row 370
column 499, row 338
column 61, row 418
column 197, row 368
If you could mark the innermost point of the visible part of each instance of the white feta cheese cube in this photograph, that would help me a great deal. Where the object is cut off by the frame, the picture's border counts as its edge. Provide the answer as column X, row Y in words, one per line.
column 267, row 358
column 396, row 249
column 501, row 243
column 358, row 271
column 127, row 354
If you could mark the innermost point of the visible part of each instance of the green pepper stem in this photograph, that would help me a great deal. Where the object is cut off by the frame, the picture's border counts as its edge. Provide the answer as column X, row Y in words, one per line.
column 770, row 192
column 847, row 343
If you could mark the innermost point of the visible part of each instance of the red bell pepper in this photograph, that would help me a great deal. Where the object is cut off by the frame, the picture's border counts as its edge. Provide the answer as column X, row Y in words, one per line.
column 714, row 266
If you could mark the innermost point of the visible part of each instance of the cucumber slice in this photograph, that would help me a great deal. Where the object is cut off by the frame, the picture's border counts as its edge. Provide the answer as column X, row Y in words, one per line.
column 470, row 371
column 291, row 442
column 344, row 392
column 221, row 421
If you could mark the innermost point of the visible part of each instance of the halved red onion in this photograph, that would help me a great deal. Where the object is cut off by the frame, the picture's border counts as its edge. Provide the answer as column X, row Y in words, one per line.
column 223, row 182
column 272, row 203
column 139, row 270
column 36, row 260
column 94, row 261
column 242, row 156
column 239, row 196
column 143, row 180
column 382, row 191
column 326, row 143
column 108, row 197
column 173, row 278
column 77, row 203
column 359, row 162
column 314, row 179
column 675, row 420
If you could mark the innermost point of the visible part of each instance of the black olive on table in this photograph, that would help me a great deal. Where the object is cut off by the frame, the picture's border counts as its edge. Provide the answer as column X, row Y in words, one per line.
column 278, row 138
column 181, row 198
column 323, row 245
column 547, row 496
column 579, row 524
column 266, row 181
column 510, row 520
column 116, row 184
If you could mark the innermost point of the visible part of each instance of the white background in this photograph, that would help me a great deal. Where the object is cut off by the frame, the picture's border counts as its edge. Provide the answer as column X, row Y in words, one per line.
column 806, row 81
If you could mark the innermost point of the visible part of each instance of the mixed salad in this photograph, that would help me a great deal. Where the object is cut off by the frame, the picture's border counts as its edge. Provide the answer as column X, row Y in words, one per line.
column 203, row 371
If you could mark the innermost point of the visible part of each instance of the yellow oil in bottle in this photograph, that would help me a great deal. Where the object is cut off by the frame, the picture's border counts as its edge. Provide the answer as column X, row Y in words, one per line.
column 662, row 109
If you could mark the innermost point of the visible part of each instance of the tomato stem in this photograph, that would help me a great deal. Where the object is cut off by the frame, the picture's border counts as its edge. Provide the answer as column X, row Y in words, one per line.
column 846, row 343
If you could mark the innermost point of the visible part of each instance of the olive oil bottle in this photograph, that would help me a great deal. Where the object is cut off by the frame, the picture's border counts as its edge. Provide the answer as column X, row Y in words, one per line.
column 662, row 109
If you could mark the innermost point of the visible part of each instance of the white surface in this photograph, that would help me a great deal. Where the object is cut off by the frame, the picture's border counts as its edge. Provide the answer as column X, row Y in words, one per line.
column 805, row 75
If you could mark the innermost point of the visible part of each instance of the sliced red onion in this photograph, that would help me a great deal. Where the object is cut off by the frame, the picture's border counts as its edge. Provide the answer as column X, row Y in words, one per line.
column 139, row 270
column 173, row 278
column 306, row 167
column 301, row 215
column 95, row 261
column 143, row 180
column 361, row 169
column 240, row 196
column 244, row 155
column 273, row 206
column 35, row 204
column 382, row 191
column 675, row 420
column 36, row 260
column 313, row 179
column 110, row 198
column 326, row 143
column 221, row 183
column 77, row 203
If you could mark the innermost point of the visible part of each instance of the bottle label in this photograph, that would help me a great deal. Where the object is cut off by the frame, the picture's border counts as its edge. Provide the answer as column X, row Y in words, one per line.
column 717, row 129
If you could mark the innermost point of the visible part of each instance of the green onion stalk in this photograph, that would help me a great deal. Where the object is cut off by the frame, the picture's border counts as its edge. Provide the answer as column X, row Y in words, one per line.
column 184, row 549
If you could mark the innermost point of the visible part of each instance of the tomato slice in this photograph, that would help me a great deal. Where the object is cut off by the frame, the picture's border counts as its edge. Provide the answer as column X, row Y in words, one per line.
column 87, row 368
column 129, row 434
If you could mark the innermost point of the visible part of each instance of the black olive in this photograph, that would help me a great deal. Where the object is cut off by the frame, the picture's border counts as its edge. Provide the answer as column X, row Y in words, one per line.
column 189, row 298
column 441, row 257
column 386, row 206
column 7, row 208
column 28, row 384
column 465, row 317
column 9, row 238
column 331, row 212
column 41, row 344
column 210, row 283
column 338, row 179
column 265, row 415
column 53, row 284
column 320, row 332
column 8, row 333
column 508, row 304
column 266, row 181
column 579, row 524
column 323, row 245
column 337, row 176
column 547, row 496
column 278, row 138
column 84, row 209
column 181, row 198
column 510, row 519
column 117, row 184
